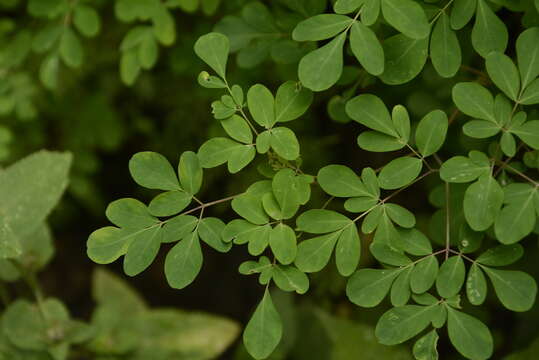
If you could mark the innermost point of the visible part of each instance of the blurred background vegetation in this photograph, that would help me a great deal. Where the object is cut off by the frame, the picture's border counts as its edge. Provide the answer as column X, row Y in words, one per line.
column 91, row 100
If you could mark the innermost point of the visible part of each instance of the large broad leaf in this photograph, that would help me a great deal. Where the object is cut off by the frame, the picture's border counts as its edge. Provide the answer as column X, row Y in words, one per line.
column 469, row 336
column 504, row 73
column 406, row 16
column 445, row 50
column 474, row 100
column 431, row 132
column 515, row 289
column 320, row 27
column 29, row 190
column 153, row 171
column 482, row 202
column 450, row 277
column 400, row 172
column 321, row 68
column 261, row 105
column 367, row 48
column 368, row 287
column 341, row 181
column 370, row 110
column 403, row 323
column 264, row 330
column 404, row 58
column 489, row 33
column 213, row 49
column 528, row 55
column 183, row 262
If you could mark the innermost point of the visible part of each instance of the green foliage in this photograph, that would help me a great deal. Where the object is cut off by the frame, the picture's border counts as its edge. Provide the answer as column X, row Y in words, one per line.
column 440, row 195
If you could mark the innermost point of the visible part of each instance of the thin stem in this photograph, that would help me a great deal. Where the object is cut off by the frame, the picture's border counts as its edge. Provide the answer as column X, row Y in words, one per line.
column 240, row 108
column 211, row 203
column 327, row 202
column 440, row 12
column 463, row 256
column 447, row 220
column 418, row 155
column 522, row 175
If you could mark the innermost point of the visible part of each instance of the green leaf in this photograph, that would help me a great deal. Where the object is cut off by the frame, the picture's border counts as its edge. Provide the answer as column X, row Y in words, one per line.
column 460, row 169
column 249, row 206
column 503, row 73
column 213, row 49
column 153, row 171
column 403, row 323
column 148, row 52
column 431, row 132
column 528, row 55
column 468, row 335
column 370, row 110
column 164, row 28
column 284, row 142
column 515, row 289
column 111, row 290
column 169, row 203
column 414, row 242
column 289, row 278
column 400, row 215
column 320, row 69
column 283, row 243
column 291, row 101
column 368, row 287
column 178, row 227
column 482, row 202
column 320, row 27
column 530, row 96
column 286, row 193
column 424, row 274
column 481, row 129
column 388, row 255
column 528, row 132
column 87, row 21
column 404, row 58
column 425, row 348
column 401, row 121
column 367, row 48
column 129, row 67
column 515, row 221
column 107, row 244
column 501, row 255
column 341, row 181
column 183, row 262
column 450, row 277
column 347, row 6
column 261, row 105
column 407, row 17
column 462, row 12
column 400, row 291
column 321, row 221
column 474, row 100
column 29, row 190
column 400, row 172
column 258, row 239
column 348, row 251
column 129, row 213
column 142, row 251
column 190, row 172
column 218, row 151
column 476, row 285
column 375, row 141
column 445, row 50
column 264, row 330
column 313, row 254
column 71, row 49
column 489, row 33
column 238, row 129
column 209, row 230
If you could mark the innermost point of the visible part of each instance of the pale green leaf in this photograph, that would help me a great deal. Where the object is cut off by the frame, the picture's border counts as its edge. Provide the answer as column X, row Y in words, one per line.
column 406, row 16
column 320, row 27
column 489, row 33
column 321, row 68
column 403, row 323
column 370, row 110
column 261, row 105
column 450, row 277
column 153, row 171
column 213, row 49
column 368, row 287
column 445, row 50
column 482, row 202
column 404, row 58
column 468, row 335
column 503, row 73
column 341, row 181
column 431, row 132
column 515, row 289
column 400, row 172
column 183, row 262
column 367, row 48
